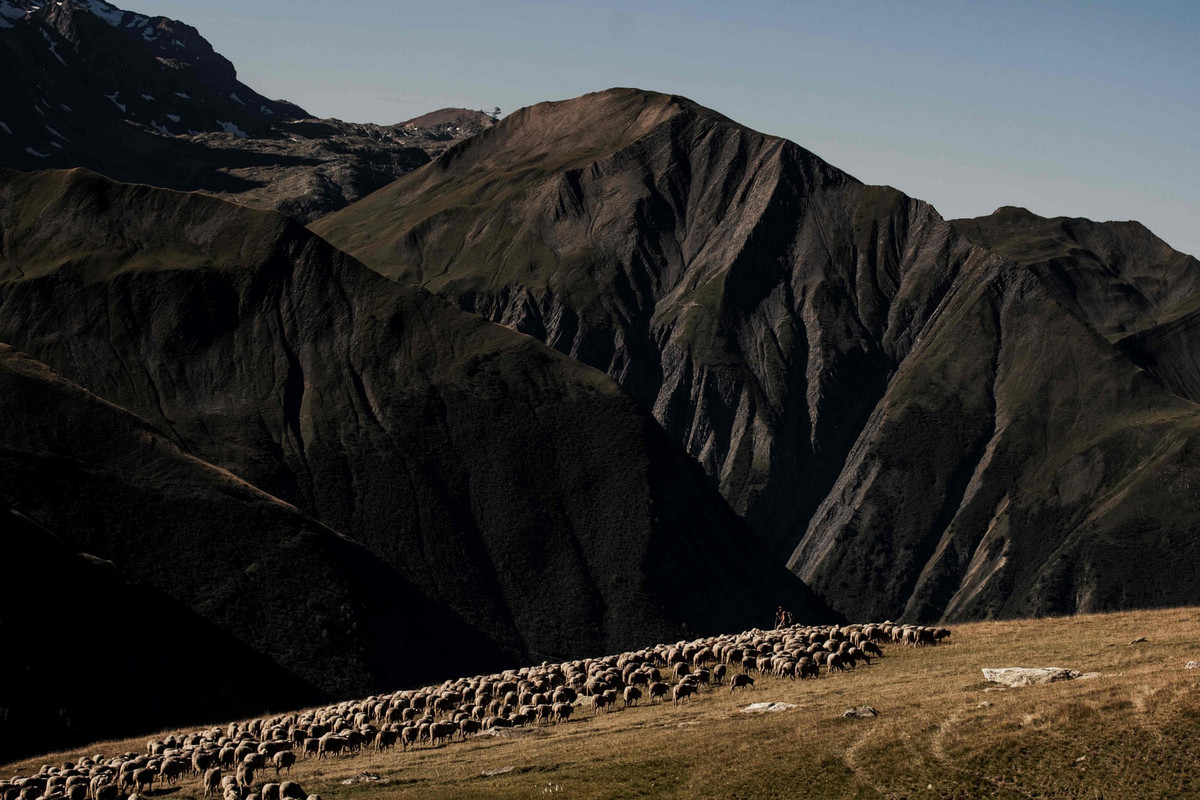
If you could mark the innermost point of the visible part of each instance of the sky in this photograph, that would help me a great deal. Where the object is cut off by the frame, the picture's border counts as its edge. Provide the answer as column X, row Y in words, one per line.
column 1087, row 109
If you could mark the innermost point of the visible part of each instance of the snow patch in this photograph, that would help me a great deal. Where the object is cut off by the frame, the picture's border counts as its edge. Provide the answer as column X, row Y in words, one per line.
column 56, row 133
column 114, row 97
column 265, row 110
column 35, row 153
column 160, row 128
column 177, row 43
column 149, row 97
column 64, row 107
column 184, row 95
column 231, row 127
column 150, row 35
column 173, row 117
column 233, row 96
column 5, row 128
column 56, row 144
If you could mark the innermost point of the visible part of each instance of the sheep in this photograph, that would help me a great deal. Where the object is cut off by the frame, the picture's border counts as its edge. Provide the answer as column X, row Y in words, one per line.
column 283, row 760
column 212, row 781
column 632, row 695
column 245, row 776
column 604, row 699
column 290, row 790
column 143, row 778
column 330, row 744
column 269, row 791
column 95, row 783
column 562, row 712
column 659, row 690
column 740, row 682
column 439, row 732
column 385, row 740
column 202, row 760
column 683, row 690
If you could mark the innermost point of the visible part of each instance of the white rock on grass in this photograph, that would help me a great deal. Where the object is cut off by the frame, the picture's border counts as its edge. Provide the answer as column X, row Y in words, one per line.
column 759, row 708
column 1028, row 676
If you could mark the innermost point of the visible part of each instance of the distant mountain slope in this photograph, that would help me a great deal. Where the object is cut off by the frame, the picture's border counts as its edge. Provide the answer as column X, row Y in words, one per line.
column 919, row 426
column 1123, row 280
column 522, row 489
column 147, row 99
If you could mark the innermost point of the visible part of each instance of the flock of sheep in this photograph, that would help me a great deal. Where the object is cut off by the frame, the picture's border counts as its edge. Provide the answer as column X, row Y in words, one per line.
column 253, row 759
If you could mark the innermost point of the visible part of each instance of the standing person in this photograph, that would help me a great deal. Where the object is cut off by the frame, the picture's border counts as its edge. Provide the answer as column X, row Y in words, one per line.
column 779, row 618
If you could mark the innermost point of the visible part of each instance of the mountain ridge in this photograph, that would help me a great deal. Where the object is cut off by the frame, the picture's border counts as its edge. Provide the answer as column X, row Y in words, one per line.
column 147, row 99
column 770, row 310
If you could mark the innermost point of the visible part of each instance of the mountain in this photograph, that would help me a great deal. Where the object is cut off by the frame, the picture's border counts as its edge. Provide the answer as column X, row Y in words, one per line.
column 480, row 471
column 147, row 99
column 1129, row 285
column 921, row 427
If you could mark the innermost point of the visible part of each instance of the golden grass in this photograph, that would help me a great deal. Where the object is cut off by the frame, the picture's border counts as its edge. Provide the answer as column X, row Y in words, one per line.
column 941, row 731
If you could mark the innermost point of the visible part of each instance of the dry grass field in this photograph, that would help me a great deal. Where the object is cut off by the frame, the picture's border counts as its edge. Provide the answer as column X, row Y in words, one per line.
column 942, row 731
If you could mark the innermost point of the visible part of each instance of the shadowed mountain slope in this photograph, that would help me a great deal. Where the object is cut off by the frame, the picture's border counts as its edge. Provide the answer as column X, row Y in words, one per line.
column 192, row 578
column 901, row 415
column 138, row 647
column 524, row 490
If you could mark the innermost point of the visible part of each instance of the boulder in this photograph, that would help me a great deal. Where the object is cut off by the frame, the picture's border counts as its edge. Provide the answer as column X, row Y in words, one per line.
column 1028, row 676
column 862, row 712
column 758, row 708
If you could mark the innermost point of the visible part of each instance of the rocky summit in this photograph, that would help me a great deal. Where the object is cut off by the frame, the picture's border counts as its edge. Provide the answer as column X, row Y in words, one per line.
column 147, row 99
column 922, row 427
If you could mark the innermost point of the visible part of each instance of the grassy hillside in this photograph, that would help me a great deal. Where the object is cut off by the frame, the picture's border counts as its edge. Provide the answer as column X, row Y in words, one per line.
column 942, row 731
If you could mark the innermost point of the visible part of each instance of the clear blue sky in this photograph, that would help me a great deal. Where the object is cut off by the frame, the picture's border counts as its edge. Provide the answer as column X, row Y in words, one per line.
column 1067, row 108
